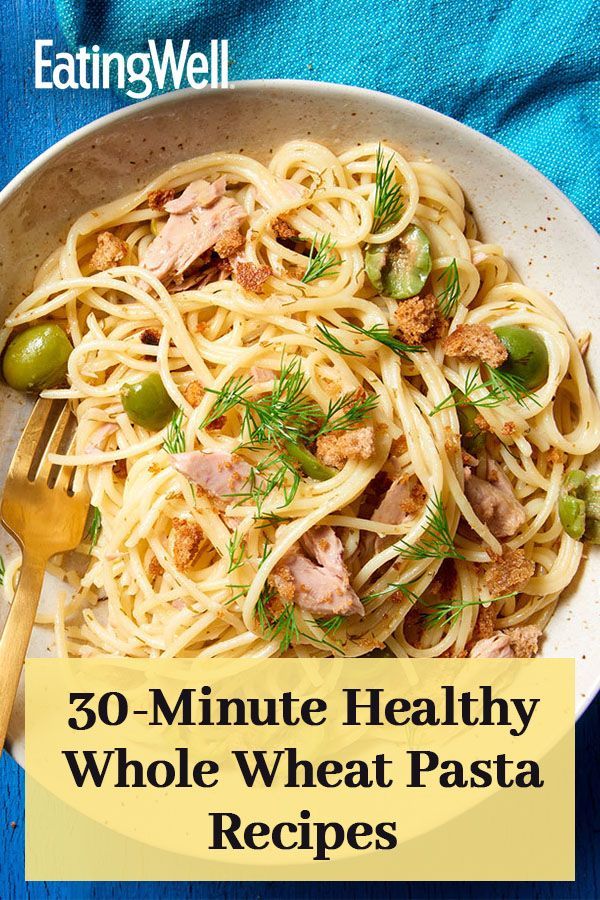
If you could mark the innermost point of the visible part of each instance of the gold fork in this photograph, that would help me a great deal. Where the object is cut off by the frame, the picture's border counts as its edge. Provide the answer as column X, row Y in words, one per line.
column 44, row 516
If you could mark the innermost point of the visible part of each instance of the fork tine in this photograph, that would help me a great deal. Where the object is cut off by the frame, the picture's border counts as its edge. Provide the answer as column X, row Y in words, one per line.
column 53, row 444
column 30, row 439
column 65, row 473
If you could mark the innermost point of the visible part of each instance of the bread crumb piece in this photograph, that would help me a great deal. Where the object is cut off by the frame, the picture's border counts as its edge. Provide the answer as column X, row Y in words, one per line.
column 476, row 342
column 508, row 428
column 283, row 229
column 154, row 568
column 194, row 393
column 150, row 336
column 418, row 320
column 282, row 581
column 336, row 448
column 555, row 457
column 524, row 640
column 110, row 250
column 509, row 572
column 158, row 199
column 229, row 243
column 188, row 536
column 251, row 277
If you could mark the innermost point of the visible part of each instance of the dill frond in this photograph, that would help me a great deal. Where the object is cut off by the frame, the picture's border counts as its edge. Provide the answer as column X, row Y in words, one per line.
column 174, row 441
column 500, row 387
column 448, row 297
column 322, row 261
column 392, row 588
column 437, row 542
column 283, row 625
column 236, row 551
column 383, row 335
column 333, row 343
column 446, row 612
column 347, row 412
column 388, row 195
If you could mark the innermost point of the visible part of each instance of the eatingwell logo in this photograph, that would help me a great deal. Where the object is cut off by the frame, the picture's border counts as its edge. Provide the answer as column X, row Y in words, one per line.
column 138, row 74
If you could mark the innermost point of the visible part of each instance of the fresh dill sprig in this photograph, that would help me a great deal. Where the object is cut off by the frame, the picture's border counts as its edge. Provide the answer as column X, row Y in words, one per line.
column 95, row 527
column 322, row 261
column 283, row 625
column 333, row 343
column 446, row 612
column 437, row 542
column 384, row 336
column 392, row 588
column 230, row 395
column 347, row 412
column 2, row 571
column 236, row 551
column 388, row 195
column 329, row 625
column 500, row 387
column 275, row 472
column 269, row 518
column 448, row 297
column 174, row 441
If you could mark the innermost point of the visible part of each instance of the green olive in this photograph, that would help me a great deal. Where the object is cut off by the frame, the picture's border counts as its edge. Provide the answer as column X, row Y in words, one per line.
column 527, row 355
column 579, row 506
column 400, row 268
column 147, row 403
column 472, row 437
column 36, row 359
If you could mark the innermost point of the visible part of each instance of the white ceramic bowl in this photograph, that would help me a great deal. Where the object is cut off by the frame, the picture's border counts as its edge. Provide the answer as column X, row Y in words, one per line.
column 552, row 246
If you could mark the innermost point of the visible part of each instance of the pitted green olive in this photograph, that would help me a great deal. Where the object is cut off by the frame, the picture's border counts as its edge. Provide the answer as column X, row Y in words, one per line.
column 36, row 359
column 472, row 437
column 579, row 506
column 527, row 355
column 147, row 403
column 400, row 268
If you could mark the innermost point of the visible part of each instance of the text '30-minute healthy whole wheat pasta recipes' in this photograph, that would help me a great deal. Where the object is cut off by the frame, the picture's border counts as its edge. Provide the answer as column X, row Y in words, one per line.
column 316, row 414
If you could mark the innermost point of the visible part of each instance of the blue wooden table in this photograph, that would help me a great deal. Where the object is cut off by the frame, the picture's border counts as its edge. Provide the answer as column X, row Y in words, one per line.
column 33, row 120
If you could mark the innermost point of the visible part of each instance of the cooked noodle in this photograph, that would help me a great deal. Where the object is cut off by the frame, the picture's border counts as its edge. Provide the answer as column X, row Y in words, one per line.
column 215, row 331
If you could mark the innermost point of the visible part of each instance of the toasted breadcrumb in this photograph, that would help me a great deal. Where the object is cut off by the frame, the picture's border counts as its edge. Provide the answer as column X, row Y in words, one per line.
column 120, row 468
column 509, row 572
column 399, row 446
column 155, row 569
column 524, row 640
column 188, row 536
column 150, row 336
column 451, row 441
column 282, row 581
column 216, row 424
column 109, row 251
column 485, row 625
column 296, row 272
column 229, row 243
column 193, row 393
column 368, row 642
column 482, row 424
column 336, row 448
column 555, row 457
column 283, row 229
column 508, row 428
column 418, row 320
column 158, row 199
column 478, row 342
column 468, row 459
column 251, row 277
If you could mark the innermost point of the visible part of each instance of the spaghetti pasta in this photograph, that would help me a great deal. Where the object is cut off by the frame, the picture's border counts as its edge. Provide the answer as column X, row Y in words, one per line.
column 315, row 325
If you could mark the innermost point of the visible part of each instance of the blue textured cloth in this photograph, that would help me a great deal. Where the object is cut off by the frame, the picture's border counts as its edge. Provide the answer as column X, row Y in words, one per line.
column 525, row 72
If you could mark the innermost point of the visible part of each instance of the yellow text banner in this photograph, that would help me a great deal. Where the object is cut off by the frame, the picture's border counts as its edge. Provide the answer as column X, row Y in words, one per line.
column 314, row 769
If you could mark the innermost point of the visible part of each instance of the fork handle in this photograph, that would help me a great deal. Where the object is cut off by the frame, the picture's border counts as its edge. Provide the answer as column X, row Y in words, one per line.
column 16, row 635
